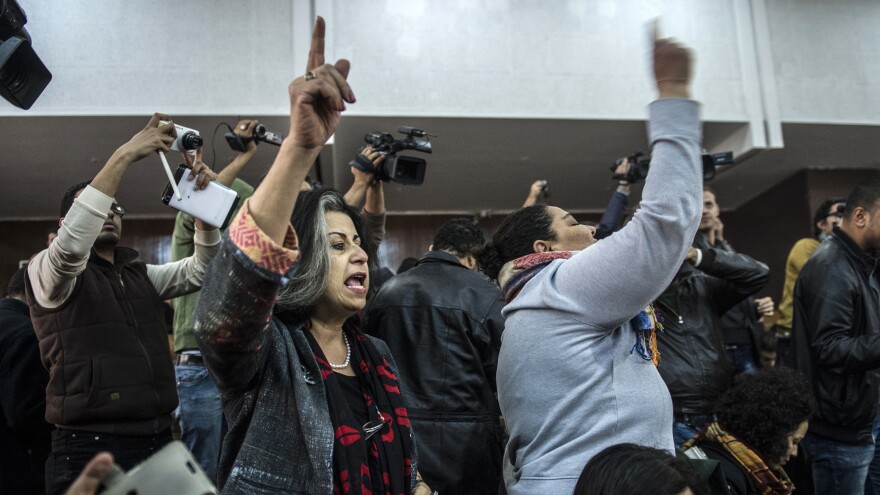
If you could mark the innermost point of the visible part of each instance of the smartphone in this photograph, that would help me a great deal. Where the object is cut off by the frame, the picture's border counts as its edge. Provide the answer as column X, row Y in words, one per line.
column 213, row 205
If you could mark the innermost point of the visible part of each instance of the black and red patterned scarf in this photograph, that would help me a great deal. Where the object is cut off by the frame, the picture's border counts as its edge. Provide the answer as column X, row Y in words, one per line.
column 381, row 464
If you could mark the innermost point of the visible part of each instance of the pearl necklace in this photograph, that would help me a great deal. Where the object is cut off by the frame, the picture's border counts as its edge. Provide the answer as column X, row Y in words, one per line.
column 347, row 355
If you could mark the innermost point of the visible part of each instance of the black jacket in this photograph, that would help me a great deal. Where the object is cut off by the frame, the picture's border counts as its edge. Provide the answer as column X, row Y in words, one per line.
column 693, row 362
column 836, row 335
column 24, row 434
column 443, row 325
column 741, row 324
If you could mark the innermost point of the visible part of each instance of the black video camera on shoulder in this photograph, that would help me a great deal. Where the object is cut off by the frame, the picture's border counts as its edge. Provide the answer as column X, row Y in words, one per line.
column 240, row 144
column 639, row 164
column 402, row 169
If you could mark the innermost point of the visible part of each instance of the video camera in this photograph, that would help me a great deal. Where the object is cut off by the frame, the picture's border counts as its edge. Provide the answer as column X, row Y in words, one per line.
column 402, row 169
column 239, row 143
column 639, row 164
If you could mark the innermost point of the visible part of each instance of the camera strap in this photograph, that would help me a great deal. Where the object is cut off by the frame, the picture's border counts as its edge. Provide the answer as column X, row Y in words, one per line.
column 363, row 163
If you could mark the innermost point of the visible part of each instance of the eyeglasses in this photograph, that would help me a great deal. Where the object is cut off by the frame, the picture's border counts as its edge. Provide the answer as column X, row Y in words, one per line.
column 375, row 426
column 117, row 209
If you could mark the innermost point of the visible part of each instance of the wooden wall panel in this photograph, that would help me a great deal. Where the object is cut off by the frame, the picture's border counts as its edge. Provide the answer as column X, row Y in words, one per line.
column 22, row 239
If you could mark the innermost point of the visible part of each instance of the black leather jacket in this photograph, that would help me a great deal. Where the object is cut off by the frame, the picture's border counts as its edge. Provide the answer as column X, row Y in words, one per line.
column 693, row 362
column 741, row 323
column 443, row 325
column 836, row 334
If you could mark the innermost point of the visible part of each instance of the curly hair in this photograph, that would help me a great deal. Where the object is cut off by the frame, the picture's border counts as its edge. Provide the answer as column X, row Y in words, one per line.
column 630, row 469
column 764, row 408
column 515, row 237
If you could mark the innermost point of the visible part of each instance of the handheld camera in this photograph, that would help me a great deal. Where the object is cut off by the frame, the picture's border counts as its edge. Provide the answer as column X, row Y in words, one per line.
column 261, row 134
column 187, row 140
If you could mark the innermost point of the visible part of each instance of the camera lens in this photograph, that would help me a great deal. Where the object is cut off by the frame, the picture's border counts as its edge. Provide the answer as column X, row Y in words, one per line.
column 260, row 131
column 191, row 141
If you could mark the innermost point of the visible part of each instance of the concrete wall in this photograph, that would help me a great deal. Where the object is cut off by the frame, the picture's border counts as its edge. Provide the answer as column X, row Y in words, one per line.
column 512, row 58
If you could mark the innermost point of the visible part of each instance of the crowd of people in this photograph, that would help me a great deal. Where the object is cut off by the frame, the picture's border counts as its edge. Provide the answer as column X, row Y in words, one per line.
column 557, row 357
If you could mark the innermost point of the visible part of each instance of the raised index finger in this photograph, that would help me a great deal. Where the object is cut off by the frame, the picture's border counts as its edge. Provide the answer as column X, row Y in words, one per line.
column 316, row 52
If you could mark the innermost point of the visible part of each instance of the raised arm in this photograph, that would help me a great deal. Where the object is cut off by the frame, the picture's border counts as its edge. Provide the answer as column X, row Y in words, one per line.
column 231, row 321
column 374, row 212
column 620, row 275
column 53, row 271
column 316, row 101
column 535, row 191
column 245, row 129
column 613, row 213
column 366, row 193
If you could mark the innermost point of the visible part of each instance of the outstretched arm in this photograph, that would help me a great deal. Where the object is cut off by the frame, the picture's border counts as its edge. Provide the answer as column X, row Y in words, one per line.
column 245, row 129
column 231, row 321
column 315, row 107
column 534, row 193
column 53, row 271
column 620, row 275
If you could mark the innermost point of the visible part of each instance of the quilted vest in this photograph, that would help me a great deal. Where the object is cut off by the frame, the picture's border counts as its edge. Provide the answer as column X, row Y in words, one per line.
column 106, row 349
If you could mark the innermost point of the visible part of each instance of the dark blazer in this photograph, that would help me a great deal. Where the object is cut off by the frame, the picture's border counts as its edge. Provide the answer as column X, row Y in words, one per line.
column 280, row 438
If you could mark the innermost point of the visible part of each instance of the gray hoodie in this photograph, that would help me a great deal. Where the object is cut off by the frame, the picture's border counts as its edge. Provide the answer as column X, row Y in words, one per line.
column 569, row 383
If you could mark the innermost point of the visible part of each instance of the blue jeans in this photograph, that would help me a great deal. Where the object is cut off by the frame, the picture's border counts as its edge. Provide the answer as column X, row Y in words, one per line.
column 838, row 468
column 742, row 359
column 202, row 425
column 873, row 485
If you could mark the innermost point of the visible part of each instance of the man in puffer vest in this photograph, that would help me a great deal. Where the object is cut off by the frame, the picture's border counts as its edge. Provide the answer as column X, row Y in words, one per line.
column 97, row 312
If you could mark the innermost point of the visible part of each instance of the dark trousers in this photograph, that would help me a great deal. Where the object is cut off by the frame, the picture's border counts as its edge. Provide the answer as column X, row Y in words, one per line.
column 73, row 449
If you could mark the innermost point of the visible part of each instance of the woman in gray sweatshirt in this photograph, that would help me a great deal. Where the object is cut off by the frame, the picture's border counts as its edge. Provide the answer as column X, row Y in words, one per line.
column 577, row 368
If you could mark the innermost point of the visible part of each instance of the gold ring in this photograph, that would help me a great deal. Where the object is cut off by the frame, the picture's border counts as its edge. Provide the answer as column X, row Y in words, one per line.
column 310, row 75
column 244, row 127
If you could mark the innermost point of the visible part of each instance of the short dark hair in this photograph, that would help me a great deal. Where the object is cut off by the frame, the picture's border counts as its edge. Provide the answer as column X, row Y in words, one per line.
column 630, row 469
column 70, row 195
column 823, row 211
column 459, row 236
column 762, row 409
column 865, row 195
column 16, row 283
column 707, row 189
column 516, row 237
